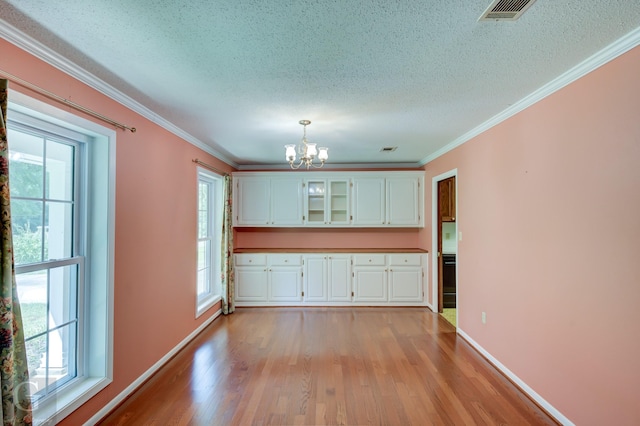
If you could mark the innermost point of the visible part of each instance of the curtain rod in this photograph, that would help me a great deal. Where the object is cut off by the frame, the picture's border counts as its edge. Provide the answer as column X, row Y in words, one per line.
column 60, row 99
column 210, row 167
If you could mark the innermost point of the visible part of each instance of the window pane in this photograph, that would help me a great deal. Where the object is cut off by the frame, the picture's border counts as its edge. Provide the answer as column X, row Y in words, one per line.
column 32, row 293
column 36, row 358
column 26, row 221
column 25, row 164
column 62, row 295
column 203, row 209
column 61, row 354
column 59, row 169
column 58, row 230
column 204, row 257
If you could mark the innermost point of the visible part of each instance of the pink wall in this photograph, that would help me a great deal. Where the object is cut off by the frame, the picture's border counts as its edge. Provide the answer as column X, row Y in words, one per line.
column 155, row 253
column 549, row 208
column 365, row 238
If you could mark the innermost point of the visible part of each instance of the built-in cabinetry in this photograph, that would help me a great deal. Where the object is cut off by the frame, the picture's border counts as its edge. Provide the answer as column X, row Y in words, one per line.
column 329, row 199
column 276, row 201
column 390, row 201
column 324, row 279
column 271, row 278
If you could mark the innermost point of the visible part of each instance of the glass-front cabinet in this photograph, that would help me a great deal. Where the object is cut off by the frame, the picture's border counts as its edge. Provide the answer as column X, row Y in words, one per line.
column 316, row 202
column 327, row 202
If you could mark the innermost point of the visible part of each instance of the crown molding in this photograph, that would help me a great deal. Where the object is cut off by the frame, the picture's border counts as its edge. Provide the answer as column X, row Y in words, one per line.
column 590, row 64
column 40, row 51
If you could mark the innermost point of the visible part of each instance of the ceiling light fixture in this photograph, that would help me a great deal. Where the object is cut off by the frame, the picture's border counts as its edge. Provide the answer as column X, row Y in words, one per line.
column 307, row 151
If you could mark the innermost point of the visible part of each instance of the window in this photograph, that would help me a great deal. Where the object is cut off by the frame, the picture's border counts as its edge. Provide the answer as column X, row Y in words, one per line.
column 44, row 170
column 209, row 240
column 61, row 183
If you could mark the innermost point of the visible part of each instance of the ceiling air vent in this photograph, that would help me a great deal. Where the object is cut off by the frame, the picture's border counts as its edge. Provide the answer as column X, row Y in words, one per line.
column 505, row 10
column 388, row 149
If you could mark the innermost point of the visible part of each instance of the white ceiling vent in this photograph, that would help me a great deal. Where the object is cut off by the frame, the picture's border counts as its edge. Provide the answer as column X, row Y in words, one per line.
column 505, row 10
column 388, row 149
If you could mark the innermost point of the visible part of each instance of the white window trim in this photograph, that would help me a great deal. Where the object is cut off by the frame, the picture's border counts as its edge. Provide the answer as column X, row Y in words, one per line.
column 97, row 372
column 205, row 303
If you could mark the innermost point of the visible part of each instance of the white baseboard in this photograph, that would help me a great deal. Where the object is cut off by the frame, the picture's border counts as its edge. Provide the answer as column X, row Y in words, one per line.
column 515, row 379
column 150, row 372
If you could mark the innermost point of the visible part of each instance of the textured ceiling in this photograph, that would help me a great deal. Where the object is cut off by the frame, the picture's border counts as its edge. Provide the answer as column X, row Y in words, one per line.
column 239, row 75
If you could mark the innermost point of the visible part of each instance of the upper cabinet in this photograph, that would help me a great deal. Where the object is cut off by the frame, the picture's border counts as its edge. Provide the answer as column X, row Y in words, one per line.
column 329, row 199
column 274, row 201
column 326, row 202
column 447, row 197
column 390, row 201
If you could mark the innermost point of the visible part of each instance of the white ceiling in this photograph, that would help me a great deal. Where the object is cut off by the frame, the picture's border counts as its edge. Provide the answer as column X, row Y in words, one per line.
column 238, row 75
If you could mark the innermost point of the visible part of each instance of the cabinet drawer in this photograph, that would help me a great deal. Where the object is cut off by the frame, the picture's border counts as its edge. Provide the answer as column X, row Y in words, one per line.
column 285, row 260
column 251, row 259
column 405, row 259
column 369, row 260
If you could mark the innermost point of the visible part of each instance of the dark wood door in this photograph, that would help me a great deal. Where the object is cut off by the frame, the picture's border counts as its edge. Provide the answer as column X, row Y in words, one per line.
column 446, row 213
column 447, row 200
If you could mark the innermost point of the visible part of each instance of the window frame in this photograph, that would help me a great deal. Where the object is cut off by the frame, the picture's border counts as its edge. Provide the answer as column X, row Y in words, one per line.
column 214, row 219
column 95, row 241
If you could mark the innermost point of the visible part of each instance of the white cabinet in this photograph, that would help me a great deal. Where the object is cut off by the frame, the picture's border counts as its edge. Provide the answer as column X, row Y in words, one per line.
column 369, row 278
column 406, row 277
column 369, row 201
column 390, row 201
column 339, row 282
column 251, row 277
column 326, row 202
column 403, row 201
column 268, row 201
column 315, row 278
column 327, row 278
column 268, row 278
column 252, row 201
column 329, row 199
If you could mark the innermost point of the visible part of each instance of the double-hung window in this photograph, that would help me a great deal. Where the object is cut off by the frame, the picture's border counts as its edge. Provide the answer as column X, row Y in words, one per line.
column 209, row 240
column 61, row 184
column 45, row 174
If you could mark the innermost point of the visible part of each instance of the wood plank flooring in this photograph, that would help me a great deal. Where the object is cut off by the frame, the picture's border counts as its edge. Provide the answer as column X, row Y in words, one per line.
column 333, row 366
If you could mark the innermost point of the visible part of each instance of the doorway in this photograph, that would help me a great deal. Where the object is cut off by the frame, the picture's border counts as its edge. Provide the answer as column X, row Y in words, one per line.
column 445, row 247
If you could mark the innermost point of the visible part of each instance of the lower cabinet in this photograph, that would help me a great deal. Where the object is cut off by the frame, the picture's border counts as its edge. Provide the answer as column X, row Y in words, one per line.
column 266, row 278
column 339, row 279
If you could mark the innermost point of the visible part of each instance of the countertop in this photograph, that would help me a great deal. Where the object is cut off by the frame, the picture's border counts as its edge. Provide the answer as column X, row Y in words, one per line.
column 329, row 250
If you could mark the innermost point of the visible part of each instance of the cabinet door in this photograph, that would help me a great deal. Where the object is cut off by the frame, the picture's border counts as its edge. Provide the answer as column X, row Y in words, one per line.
column 369, row 284
column 251, row 284
column 285, row 284
column 338, row 211
column 286, row 201
column 403, row 198
column 339, row 283
column 369, row 202
column 316, row 202
column 405, row 284
column 315, row 278
column 252, row 202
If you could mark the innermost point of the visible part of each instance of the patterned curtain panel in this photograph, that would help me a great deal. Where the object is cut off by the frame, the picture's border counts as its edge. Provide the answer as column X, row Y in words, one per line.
column 14, row 373
column 228, row 279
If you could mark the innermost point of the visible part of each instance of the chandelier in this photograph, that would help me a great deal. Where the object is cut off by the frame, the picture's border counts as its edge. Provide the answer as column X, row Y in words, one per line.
column 307, row 152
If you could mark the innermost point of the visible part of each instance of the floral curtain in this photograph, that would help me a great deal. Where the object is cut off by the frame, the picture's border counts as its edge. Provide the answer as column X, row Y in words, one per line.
column 228, row 278
column 14, row 374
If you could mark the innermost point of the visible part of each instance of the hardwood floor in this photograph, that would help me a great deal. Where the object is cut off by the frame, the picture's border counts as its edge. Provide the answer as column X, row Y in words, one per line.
column 338, row 366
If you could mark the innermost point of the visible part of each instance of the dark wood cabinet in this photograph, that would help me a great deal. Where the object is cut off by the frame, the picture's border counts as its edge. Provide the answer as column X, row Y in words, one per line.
column 447, row 208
